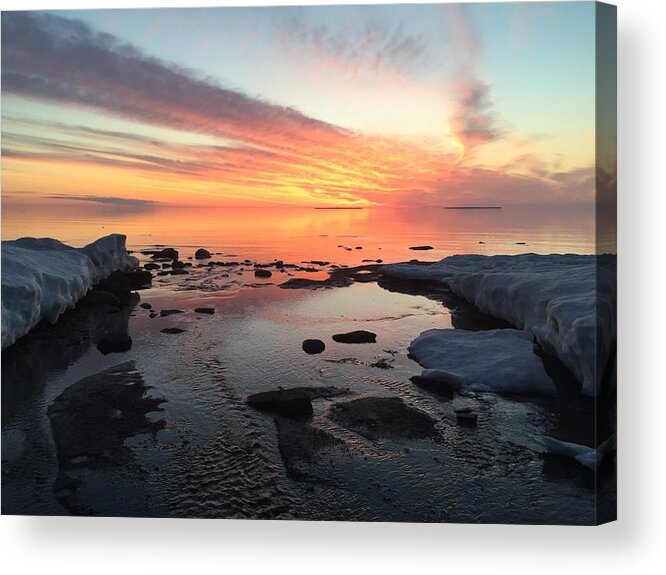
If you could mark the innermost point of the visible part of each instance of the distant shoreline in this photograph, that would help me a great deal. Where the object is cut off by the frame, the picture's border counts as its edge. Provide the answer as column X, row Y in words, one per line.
column 339, row 208
column 472, row 207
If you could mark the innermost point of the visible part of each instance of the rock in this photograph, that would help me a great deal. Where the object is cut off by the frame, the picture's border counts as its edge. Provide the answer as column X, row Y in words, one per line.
column 177, row 265
column 463, row 410
column 383, row 418
column 440, row 386
column 117, row 283
column 466, row 418
column 166, row 253
column 166, row 312
column 421, row 248
column 313, row 346
column 202, row 254
column 285, row 402
column 151, row 266
column 98, row 296
column 358, row 248
column 279, row 264
column 139, row 279
column 318, row 263
column 172, row 330
column 117, row 344
column 262, row 273
column 359, row 336
column 145, row 306
column 208, row 310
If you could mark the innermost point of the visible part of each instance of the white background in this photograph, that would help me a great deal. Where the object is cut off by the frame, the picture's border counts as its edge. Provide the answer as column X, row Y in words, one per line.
column 635, row 543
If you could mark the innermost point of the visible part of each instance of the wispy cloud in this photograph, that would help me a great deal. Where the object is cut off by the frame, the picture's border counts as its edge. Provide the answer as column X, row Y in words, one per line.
column 265, row 151
column 106, row 200
column 474, row 120
column 355, row 47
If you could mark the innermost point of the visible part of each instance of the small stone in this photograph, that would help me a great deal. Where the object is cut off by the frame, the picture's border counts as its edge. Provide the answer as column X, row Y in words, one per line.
column 172, row 330
column 313, row 346
column 262, row 273
column 208, row 310
column 145, row 305
column 359, row 336
column 421, row 248
column 166, row 312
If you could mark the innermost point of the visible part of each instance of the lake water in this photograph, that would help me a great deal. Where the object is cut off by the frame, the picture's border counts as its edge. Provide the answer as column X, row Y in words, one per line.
column 211, row 455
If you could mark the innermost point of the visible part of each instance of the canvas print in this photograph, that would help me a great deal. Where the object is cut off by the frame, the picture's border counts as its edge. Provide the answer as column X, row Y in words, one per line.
column 348, row 263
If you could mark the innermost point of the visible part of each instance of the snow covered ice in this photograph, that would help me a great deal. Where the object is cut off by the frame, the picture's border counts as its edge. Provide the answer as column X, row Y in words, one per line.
column 566, row 301
column 587, row 456
column 500, row 360
column 42, row 277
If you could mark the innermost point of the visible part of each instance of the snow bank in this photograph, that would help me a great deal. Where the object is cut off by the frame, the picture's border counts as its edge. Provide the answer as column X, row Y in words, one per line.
column 566, row 301
column 500, row 360
column 42, row 277
column 587, row 456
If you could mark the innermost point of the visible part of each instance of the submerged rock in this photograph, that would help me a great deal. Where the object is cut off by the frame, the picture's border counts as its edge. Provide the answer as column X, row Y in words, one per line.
column 358, row 336
column 383, row 418
column 151, row 266
column 300, row 443
column 261, row 273
column 172, row 330
column 313, row 346
column 202, row 254
column 467, row 418
column 145, row 305
column 286, row 402
column 166, row 312
column 421, row 248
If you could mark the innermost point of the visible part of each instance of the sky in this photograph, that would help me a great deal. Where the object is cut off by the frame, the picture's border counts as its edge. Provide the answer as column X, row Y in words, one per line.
column 341, row 106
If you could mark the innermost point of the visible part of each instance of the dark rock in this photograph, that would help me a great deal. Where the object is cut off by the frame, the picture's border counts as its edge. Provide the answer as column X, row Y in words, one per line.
column 116, row 283
column 313, row 346
column 262, row 273
column 318, row 263
column 521, row 243
column 358, row 336
column 172, row 330
column 98, row 296
column 467, row 418
column 179, row 272
column 139, row 279
column 279, row 264
column 463, row 410
column 440, row 386
column 286, row 402
column 166, row 265
column 166, row 312
column 114, row 344
column 145, row 305
column 201, row 254
column 421, row 248
column 383, row 418
column 166, row 253
column 358, row 247
column 177, row 265
column 151, row 266
column 208, row 310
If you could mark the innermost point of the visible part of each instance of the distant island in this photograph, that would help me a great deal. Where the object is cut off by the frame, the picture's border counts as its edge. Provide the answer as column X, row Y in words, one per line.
column 472, row 207
column 339, row 208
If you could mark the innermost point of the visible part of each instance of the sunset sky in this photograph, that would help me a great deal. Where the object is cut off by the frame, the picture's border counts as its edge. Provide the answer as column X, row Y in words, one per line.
column 321, row 106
